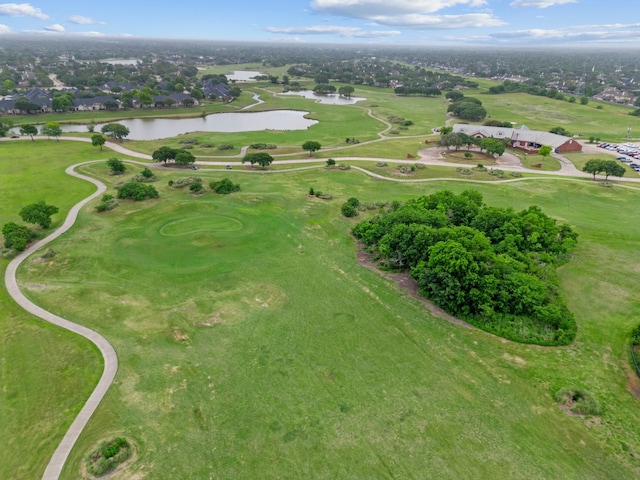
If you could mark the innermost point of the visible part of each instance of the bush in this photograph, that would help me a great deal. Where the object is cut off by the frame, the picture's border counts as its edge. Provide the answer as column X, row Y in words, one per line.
column 382, row 164
column 189, row 141
column 263, row 146
column 635, row 335
column 224, row 186
column 137, row 191
column 196, row 187
column 331, row 162
column 17, row 236
column 107, row 456
column 348, row 210
column 516, row 174
column 578, row 401
column 184, row 182
column 225, row 146
column 464, row 171
column 342, row 166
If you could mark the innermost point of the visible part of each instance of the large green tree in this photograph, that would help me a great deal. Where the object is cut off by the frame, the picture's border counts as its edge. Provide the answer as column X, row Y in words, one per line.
column 346, row 91
column 184, row 157
column 311, row 146
column 593, row 166
column 5, row 126
column 492, row 146
column 116, row 166
column 115, row 130
column 164, row 154
column 52, row 129
column 98, row 140
column 28, row 129
column 261, row 158
column 39, row 213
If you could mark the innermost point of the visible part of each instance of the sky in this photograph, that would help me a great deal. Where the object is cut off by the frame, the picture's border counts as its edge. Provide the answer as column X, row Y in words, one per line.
column 463, row 23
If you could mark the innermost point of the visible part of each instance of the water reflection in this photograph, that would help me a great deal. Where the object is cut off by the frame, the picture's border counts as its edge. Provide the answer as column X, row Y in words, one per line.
column 157, row 128
column 333, row 99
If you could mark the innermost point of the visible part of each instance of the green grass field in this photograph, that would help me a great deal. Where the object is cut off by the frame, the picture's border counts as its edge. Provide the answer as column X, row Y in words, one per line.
column 252, row 344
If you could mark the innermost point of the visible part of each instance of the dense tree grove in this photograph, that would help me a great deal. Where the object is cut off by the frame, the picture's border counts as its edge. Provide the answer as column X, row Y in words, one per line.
column 493, row 267
column 137, row 191
column 468, row 108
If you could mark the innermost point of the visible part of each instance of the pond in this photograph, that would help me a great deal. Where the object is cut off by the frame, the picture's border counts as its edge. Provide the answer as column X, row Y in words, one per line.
column 243, row 76
column 158, row 128
column 333, row 99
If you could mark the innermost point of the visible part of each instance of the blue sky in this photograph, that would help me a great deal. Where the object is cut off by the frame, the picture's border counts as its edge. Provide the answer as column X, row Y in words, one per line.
column 588, row 23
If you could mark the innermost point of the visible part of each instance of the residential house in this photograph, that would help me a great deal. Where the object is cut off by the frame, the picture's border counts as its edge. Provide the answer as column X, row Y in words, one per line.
column 522, row 138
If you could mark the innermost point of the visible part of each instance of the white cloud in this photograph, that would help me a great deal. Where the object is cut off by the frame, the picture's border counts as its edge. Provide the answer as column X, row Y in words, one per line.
column 540, row 3
column 441, row 22
column 413, row 14
column 4, row 29
column 368, row 8
column 56, row 27
column 347, row 32
column 21, row 10
column 80, row 20
column 576, row 34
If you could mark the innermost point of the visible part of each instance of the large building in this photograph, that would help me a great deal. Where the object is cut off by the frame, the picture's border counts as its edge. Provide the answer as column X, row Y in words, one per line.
column 522, row 138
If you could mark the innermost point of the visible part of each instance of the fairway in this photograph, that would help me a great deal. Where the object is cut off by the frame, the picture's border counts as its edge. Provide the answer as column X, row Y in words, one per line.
column 253, row 345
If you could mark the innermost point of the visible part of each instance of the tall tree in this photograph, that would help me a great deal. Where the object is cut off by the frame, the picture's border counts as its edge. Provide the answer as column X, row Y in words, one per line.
column 311, row 146
column 115, row 130
column 346, row 91
column 52, row 129
column 39, row 213
column 545, row 151
column 98, row 140
column 261, row 158
column 29, row 129
column 593, row 167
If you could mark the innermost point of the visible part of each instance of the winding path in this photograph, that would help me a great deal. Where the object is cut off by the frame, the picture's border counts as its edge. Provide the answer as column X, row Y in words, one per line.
column 57, row 461
column 54, row 468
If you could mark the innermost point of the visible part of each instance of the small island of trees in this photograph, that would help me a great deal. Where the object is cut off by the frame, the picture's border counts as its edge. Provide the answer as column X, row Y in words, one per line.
column 493, row 267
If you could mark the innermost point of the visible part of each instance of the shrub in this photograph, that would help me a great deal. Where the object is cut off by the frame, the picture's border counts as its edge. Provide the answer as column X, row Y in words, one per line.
column 342, row 166
column 207, row 145
column 107, row 456
column 225, row 146
column 578, row 401
column 146, row 173
column 394, row 132
column 349, row 210
column 635, row 335
column 17, row 236
column 516, row 174
column 263, row 146
column 312, row 191
column 137, row 191
column 185, row 182
column 224, row 186
column 382, row 164
column 464, row 171
column 331, row 162
column 420, row 166
column 196, row 187
column 116, row 166
column 189, row 141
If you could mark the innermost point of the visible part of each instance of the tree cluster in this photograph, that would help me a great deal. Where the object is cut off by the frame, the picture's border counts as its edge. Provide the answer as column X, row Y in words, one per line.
column 17, row 236
column 468, row 108
column 179, row 155
column 224, row 186
column 493, row 267
column 137, row 191
column 608, row 167
column 424, row 91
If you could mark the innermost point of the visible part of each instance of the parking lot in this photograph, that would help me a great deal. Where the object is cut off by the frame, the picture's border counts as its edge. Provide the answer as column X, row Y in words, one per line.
column 628, row 153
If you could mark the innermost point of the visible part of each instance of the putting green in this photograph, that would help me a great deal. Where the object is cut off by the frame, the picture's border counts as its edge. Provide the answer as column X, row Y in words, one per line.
column 199, row 225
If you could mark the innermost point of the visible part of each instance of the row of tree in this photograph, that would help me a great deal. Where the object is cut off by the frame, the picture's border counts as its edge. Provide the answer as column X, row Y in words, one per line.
column 494, row 267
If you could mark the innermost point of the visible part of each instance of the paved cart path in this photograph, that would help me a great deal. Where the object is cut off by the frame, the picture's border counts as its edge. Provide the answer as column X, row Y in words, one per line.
column 57, row 461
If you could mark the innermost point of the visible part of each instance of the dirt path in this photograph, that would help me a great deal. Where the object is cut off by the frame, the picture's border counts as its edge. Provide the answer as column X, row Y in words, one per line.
column 409, row 285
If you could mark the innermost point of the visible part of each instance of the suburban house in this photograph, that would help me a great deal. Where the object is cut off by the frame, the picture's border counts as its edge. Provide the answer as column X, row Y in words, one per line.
column 521, row 138
column 95, row 103
column 175, row 100
column 219, row 91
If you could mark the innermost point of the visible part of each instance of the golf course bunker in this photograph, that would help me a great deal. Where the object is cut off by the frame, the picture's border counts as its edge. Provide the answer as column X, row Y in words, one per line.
column 197, row 225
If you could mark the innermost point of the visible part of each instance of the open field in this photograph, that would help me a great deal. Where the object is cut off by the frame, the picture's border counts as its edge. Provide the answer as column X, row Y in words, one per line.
column 47, row 373
column 252, row 344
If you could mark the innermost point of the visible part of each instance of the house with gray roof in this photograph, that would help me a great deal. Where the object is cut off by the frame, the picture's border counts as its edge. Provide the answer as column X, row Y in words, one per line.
column 521, row 138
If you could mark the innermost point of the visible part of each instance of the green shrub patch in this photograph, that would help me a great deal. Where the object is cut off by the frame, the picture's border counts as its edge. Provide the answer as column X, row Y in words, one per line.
column 578, row 401
column 108, row 456
column 493, row 267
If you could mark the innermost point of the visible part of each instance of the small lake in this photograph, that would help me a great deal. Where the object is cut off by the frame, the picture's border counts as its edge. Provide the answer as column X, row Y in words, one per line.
column 243, row 76
column 158, row 128
column 333, row 99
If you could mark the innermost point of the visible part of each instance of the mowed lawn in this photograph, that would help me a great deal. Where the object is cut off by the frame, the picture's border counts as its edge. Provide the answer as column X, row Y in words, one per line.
column 46, row 373
column 253, row 345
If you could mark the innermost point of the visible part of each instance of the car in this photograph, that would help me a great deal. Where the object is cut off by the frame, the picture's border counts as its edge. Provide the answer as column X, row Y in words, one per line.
column 229, row 167
column 622, row 159
column 194, row 167
column 15, row 136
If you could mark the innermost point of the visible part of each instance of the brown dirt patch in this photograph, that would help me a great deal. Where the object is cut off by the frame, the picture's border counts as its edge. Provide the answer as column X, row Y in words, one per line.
column 409, row 285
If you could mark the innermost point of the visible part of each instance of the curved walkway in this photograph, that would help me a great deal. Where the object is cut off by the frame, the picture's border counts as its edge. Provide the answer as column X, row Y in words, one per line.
column 57, row 461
